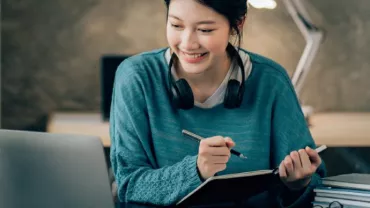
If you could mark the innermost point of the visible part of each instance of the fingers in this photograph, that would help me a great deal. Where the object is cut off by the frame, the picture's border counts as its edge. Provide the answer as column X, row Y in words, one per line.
column 296, row 160
column 282, row 171
column 229, row 142
column 314, row 157
column 294, row 165
column 298, row 165
column 220, row 167
column 205, row 149
column 296, row 169
column 219, row 159
column 289, row 165
column 218, row 146
column 216, row 159
column 219, row 151
column 213, row 155
column 217, row 141
column 305, row 160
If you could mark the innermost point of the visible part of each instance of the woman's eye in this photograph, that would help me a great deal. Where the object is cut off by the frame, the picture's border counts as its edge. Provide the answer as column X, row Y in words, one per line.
column 206, row 31
column 175, row 26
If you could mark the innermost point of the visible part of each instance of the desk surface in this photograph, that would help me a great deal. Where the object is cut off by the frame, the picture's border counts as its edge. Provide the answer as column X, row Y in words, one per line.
column 332, row 129
column 80, row 123
column 341, row 129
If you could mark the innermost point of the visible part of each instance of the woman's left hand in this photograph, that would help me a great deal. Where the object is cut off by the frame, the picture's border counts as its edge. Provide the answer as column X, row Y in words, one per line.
column 297, row 168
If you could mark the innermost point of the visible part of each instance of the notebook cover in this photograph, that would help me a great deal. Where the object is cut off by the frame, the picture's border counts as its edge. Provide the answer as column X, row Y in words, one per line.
column 230, row 188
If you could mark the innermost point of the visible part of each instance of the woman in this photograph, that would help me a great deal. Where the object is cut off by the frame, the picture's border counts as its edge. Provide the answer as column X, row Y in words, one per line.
column 203, row 84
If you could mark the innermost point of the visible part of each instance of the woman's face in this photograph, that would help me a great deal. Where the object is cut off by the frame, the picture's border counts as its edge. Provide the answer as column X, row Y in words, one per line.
column 198, row 35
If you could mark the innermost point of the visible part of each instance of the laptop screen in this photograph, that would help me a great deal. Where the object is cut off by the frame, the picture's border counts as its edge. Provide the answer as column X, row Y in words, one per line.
column 53, row 170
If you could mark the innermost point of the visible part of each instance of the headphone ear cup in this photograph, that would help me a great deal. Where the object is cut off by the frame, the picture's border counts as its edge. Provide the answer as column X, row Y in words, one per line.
column 232, row 96
column 184, row 98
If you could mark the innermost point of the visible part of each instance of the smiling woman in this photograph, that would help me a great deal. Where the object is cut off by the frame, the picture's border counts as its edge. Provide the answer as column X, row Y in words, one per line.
column 228, row 95
column 199, row 39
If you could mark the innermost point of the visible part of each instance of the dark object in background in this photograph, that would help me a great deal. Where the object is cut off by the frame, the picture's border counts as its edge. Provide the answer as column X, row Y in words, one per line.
column 109, row 64
column 40, row 124
column 344, row 160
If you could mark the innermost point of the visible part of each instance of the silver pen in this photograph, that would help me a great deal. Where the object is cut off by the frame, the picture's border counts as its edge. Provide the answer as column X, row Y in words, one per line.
column 199, row 138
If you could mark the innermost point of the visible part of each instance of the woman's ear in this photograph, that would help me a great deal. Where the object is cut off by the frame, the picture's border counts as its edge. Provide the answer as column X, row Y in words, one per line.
column 241, row 23
column 240, row 26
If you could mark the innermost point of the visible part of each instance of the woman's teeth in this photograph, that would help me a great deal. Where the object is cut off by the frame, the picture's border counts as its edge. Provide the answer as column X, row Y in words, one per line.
column 194, row 55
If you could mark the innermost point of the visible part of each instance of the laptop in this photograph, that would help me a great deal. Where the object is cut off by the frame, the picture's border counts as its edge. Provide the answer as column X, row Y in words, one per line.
column 44, row 170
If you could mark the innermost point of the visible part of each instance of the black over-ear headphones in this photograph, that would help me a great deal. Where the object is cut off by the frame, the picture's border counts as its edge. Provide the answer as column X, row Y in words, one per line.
column 182, row 95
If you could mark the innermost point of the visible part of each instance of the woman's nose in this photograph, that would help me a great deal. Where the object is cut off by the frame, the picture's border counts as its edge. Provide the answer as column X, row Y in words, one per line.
column 189, row 41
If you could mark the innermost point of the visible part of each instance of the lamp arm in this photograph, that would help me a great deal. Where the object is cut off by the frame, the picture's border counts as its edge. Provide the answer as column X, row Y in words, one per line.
column 313, row 37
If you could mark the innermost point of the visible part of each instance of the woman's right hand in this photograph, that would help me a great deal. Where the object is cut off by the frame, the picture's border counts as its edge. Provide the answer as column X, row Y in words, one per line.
column 214, row 153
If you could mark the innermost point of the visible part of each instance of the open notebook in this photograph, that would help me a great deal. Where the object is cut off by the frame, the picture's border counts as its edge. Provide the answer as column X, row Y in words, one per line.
column 233, row 187
column 230, row 188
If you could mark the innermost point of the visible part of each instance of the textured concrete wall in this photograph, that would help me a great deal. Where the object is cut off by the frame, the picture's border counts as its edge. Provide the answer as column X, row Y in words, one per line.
column 51, row 51
column 339, row 78
column 340, row 75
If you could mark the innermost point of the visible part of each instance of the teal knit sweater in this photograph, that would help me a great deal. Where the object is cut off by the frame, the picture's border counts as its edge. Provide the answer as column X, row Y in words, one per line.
column 155, row 164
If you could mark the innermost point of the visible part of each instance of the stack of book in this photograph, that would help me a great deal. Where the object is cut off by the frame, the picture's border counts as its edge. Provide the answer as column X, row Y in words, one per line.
column 347, row 191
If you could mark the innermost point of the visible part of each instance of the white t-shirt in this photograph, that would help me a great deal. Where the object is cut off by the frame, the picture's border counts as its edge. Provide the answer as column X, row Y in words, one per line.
column 218, row 96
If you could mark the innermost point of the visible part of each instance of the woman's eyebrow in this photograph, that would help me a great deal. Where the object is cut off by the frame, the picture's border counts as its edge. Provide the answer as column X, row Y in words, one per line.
column 199, row 23
column 209, row 22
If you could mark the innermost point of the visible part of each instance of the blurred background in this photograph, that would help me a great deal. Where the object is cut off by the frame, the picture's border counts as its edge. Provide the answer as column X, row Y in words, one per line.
column 52, row 64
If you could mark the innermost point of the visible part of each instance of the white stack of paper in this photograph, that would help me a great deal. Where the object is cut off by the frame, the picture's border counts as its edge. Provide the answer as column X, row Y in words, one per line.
column 349, row 190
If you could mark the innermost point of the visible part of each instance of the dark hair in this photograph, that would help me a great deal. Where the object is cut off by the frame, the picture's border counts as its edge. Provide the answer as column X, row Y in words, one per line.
column 233, row 10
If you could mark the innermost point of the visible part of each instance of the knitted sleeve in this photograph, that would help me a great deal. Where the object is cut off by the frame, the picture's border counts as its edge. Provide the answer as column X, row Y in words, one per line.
column 290, row 132
column 133, row 160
